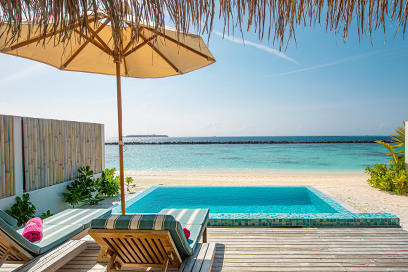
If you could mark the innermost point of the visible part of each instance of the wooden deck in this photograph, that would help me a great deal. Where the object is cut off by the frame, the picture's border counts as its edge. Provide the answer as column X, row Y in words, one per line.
column 292, row 249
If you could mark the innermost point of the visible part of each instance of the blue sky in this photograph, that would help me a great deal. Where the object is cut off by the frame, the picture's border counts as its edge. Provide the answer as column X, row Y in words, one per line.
column 318, row 86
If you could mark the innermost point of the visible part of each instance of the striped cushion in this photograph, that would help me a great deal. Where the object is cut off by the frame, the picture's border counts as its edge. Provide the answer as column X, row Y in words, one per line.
column 7, row 230
column 195, row 233
column 8, row 219
column 148, row 222
column 188, row 216
column 53, row 235
column 76, row 217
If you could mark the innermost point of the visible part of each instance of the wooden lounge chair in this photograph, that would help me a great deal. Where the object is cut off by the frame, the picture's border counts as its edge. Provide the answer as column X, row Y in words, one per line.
column 14, row 248
column 148, row 240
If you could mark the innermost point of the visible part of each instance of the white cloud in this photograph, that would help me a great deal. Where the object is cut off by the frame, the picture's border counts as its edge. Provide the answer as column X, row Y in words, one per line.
column 328, row 64
column 22, row 74
column 259, row 46
column 247, row 127
column 382, row 125
column 213, row 126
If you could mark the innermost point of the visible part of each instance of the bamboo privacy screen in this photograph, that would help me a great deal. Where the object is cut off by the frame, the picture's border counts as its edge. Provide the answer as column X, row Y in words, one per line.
column 54, row 150
column 7, row 181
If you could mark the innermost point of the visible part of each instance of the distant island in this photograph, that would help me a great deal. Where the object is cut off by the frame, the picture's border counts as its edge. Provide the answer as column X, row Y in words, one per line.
column 139, row 136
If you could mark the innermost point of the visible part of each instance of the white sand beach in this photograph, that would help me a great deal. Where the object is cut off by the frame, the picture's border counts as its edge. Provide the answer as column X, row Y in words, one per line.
column 351, row 188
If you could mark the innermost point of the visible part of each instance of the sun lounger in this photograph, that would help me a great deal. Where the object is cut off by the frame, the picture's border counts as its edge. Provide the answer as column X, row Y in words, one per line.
column 195, row 220
column 14, row 248
column 148, row 240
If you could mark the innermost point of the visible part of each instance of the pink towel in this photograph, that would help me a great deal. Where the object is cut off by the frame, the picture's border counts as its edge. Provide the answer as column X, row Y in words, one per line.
column 33, row 229
column 186, row 233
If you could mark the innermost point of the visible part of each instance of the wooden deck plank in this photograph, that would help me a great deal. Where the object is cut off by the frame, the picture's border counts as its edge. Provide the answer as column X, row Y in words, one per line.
column 291, row 249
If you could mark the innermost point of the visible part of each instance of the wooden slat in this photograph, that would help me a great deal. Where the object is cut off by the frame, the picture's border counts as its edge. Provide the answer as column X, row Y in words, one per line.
column 2, row 159
column 7, row 155
column 11, row 157
column 200, row 258
column 208, row 258
column 35, row 153
column 155, row 249
column 138, row 252
column 56, row 258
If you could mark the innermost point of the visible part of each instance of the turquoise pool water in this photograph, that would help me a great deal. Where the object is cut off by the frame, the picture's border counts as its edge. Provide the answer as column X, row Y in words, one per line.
column 255, row 206
column 226, row 199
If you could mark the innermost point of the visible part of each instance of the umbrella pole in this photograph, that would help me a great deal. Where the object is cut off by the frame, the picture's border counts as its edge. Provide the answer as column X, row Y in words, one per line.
column 120, row 142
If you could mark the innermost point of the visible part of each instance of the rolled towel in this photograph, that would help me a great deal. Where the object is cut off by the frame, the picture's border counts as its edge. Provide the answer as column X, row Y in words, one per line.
column 33, row 229
column 186, row 232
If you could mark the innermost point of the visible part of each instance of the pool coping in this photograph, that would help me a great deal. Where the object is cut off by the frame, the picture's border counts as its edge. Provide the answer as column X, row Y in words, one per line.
column 345, row 216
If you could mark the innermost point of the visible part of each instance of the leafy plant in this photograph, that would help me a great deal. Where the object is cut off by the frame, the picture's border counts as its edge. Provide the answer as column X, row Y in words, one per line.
column 93, row 200
column 109, row 185
column 81, row 189
column 128, row 181
column 393, row 178
column 47, row 214
column 76, row 193
column 396, row 151
column 23, row 210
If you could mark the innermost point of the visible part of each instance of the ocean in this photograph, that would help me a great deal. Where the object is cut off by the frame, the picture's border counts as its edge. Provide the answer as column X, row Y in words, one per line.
column 291, row 157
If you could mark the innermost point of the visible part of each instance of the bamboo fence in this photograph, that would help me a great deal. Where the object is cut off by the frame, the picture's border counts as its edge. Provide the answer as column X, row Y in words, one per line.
column 7, row 177
column 54, row 150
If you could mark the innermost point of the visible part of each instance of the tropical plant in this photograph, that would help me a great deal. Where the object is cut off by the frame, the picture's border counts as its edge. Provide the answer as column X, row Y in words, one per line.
column 109, row 185
column 47, row 214
column 76, row 193
column 129, row 185
column 23, row 210
column 393, row 178
column 396, row 151
column 81, row 189
column 93, row 200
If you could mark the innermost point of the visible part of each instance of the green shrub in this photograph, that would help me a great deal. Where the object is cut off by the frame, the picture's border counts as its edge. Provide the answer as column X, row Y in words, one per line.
column 109, row 185
column 23, row 210
column 129, row 184
column 393, row 178
column 47, row 214
column 81, row 189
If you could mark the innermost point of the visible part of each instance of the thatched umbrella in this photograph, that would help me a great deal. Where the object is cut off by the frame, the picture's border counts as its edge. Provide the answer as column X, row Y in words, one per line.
column 147, row 51
column 273, row 18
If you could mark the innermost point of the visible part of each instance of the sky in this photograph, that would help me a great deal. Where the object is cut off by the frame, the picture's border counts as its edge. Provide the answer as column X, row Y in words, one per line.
column 318, row 85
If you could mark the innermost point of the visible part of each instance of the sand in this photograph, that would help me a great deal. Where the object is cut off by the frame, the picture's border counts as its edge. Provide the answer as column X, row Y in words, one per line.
column 351, row 188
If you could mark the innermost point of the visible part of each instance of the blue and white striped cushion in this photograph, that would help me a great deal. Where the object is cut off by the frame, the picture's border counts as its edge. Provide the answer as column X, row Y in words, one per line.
column 188, row 217
column 148, row 222
column 76, row 217
column 7, row 230
column 53, row 235
column 194, row 220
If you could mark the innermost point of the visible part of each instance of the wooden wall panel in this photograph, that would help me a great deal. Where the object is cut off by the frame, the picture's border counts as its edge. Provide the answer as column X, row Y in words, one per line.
column 7, row 175
column 54, row 150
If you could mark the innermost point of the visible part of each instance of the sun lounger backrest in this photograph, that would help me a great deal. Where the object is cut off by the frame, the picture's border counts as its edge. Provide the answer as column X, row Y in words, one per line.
column 7, row 230
column 147, row 222
column 8, row 219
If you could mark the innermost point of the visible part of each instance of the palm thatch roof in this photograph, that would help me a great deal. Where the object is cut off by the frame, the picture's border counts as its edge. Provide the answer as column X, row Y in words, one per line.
column 275, row 20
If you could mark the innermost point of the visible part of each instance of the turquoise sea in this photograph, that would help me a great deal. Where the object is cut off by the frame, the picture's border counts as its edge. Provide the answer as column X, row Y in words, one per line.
column 311, row 157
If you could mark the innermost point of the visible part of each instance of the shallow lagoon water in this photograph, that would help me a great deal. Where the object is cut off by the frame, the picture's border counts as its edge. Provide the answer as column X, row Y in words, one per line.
column 249, row 157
